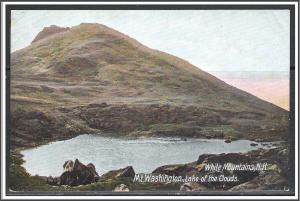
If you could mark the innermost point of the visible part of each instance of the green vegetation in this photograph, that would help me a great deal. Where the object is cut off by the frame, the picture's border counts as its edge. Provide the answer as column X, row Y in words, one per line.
column 20, row 180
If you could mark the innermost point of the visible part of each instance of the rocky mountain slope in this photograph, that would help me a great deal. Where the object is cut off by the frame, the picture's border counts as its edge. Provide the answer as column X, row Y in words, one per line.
column 92, row 79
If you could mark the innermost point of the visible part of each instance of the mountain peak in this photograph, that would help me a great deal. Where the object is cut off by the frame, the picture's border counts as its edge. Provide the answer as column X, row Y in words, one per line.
column 48, row 31
column 72, row 71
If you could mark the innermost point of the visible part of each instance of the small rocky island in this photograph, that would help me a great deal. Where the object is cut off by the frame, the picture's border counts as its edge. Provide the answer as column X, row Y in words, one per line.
column 93, row 79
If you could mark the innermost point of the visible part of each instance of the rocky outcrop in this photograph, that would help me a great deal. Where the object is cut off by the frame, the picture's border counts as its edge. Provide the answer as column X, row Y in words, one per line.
column 127, row 172
column 75, row 173
column 177, row 170
column 31, row 128
column 121, row 188
column 273, row 175
column 270, row 180
column 224, row 158
column 227, row 141
column 48, row 31
column 193, row 187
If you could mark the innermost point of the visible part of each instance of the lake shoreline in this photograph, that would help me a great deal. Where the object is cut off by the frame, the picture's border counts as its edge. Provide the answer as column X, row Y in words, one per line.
column 33, row 183
column 63, row 138
column 276, row 157
column 134, row 148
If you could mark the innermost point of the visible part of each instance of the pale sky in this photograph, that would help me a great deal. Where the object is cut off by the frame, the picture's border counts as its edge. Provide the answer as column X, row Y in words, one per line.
column 213, row 40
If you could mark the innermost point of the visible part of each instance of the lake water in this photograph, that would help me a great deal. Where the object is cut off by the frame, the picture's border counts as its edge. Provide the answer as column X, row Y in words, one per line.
column 113, row 153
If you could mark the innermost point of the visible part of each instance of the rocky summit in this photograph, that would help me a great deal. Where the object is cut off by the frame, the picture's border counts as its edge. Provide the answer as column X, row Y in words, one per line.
column 93, row 79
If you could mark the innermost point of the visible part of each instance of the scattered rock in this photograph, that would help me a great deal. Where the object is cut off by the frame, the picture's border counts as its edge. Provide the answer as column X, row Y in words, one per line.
column 265, row 181
column 185, row 187
column 121, row 188
column 235, row 177
column 274, row 167
column 227, row 141
column 75, row 173
column 192, row 187
column 177, row 170
column 127, row 172
column 224, row 158
column 253, row 144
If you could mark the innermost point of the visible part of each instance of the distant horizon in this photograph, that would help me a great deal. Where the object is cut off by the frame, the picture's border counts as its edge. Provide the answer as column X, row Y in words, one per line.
column 260, row 84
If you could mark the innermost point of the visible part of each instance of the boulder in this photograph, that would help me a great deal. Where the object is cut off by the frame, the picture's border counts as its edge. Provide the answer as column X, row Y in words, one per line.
column 227, row 141
column 127, row 172
column 176, row 170
column 235, row 177
column 86, row 174
column 185, row 187
column 121, row 188
column 69, row 178
column 253, row 144
column 224, row 158
column 192, row 187
column 75, row 173
column 202, row 157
